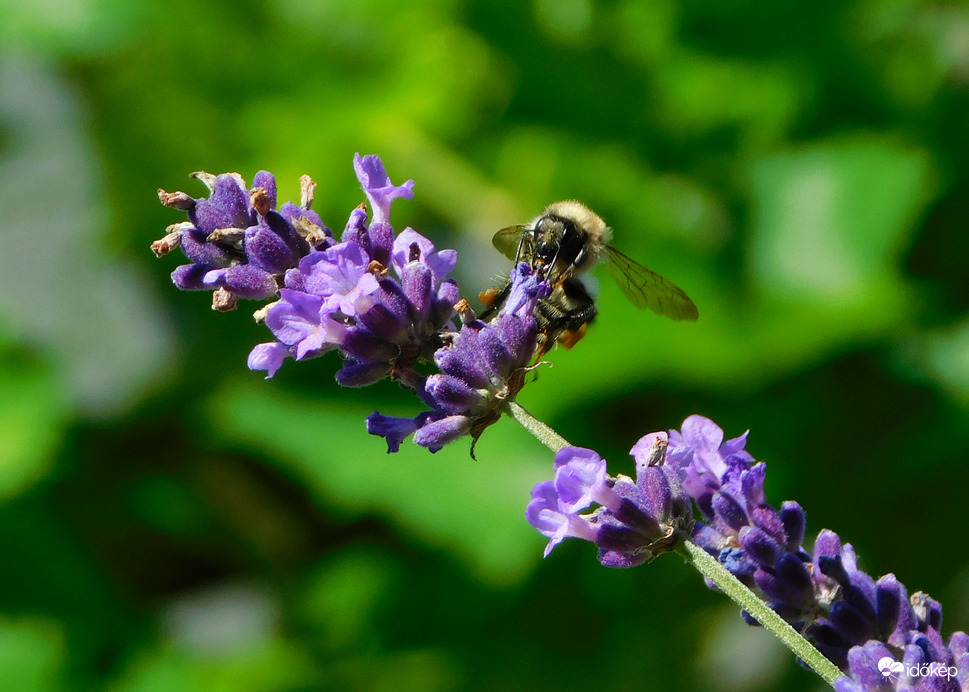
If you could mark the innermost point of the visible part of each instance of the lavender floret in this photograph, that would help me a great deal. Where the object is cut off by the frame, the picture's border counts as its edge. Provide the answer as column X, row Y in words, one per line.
column 482, row 367
column 635, row 521
column 383, row 301
column 237, row 244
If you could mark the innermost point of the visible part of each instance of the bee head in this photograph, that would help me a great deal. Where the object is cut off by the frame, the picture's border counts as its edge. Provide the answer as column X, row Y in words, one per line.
column 559, row 244
column 549, row 233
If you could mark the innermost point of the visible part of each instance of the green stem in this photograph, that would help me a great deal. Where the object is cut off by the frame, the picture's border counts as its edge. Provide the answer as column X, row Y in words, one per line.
column 542, row 432
column 709, row 567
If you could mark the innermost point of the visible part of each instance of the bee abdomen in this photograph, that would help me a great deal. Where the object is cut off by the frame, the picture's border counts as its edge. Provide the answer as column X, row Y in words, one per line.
column 568, row 307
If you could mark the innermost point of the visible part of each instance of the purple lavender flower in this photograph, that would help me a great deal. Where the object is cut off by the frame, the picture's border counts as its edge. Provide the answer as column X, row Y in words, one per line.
column 860, row 624
column 867, row 627
column 874, row 667
column 382, row 325
column 238, row 244
column 483, row 366
column 635, row 520
column 384, row 301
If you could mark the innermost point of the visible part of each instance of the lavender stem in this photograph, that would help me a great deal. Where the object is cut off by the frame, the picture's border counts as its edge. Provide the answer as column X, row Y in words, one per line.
column 708, row 566
column 542, row 432
column 711, row 568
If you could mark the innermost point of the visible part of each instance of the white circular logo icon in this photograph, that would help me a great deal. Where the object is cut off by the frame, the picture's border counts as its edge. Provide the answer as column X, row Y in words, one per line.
column 888, row 665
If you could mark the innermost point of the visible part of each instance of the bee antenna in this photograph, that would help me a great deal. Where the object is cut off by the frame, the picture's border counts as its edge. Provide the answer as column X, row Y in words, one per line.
column 521, row 244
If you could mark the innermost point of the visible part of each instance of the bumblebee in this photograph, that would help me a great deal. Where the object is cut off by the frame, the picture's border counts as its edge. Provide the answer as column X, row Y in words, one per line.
column 565, row 241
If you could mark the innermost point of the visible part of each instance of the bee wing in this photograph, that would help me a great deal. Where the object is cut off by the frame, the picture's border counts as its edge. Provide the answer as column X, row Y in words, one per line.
column 647, row 289
column 508, row 241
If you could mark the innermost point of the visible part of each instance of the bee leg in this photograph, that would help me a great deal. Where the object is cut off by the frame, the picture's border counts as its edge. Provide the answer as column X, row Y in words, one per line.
column 493, row 299
column 571, row 337
column 578, row 307
column 576, row 262
column 521, row 245
column 564, row 316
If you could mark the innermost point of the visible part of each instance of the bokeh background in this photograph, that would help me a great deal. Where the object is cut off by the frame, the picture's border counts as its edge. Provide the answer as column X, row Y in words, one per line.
column 171, row 521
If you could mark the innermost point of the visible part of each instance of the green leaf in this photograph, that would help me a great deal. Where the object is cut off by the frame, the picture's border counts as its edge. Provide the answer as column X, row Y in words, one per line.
column 832, row 220
column 275, row 664
column 31, row 654
column 473, row 508
column 32, row 417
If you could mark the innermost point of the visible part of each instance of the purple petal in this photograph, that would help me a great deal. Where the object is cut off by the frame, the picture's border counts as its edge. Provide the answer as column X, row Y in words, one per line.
column 190, row 277
column 702, row 433
column 268, row 357
column 228, row 206
column 267, row 181
column 328, row 335
column 377, row 186
column 452, row 394
column 735, row 445
column 244, row 280
column 438, row 433
column 440, row 263
column 354, row 374
column 294, row 317
column 265, row 249
column 578, row 473
column 642, row 451
column 391, row 428
column 545, row 514
column 410, row 246
column 195, row 247
column 526, row 290
column 340, row 274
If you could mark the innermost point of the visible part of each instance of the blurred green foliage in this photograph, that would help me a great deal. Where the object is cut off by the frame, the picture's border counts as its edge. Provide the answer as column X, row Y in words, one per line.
column 170, row 521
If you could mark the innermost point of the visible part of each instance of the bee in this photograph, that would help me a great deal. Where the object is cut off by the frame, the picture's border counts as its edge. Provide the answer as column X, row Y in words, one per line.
column 565, row 241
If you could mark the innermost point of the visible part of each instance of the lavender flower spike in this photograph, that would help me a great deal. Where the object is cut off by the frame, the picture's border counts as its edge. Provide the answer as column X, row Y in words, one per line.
column 238, row 244
column 635, row 520
column 383, row 301
column 483, row 366
column 871, row 629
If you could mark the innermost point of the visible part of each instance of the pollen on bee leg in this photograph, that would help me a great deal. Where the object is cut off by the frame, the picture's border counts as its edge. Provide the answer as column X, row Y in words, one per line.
column 488, row 296
column 573, row 336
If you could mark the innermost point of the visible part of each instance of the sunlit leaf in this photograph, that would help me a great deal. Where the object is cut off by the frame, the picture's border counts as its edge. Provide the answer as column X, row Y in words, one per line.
column 475, row 508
